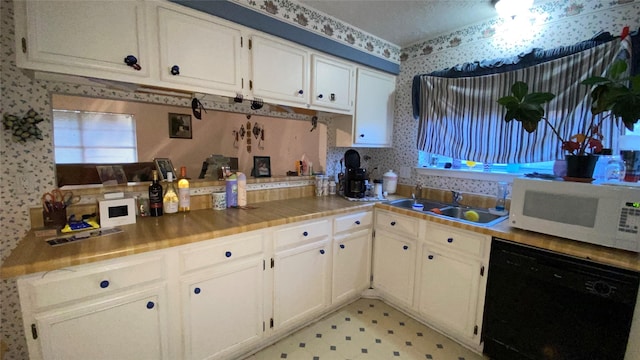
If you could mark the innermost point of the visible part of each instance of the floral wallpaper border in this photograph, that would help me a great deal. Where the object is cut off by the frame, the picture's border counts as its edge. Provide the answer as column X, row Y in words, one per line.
column 324, row 25
column 552, row 11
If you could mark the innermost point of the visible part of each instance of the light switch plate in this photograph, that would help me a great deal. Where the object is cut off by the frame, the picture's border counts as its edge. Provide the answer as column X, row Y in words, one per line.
column 405, row 172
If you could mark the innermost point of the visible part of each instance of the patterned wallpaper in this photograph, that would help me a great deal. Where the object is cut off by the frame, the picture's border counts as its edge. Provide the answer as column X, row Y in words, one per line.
column 556, row 23
column 567, row 23
column 296, row 14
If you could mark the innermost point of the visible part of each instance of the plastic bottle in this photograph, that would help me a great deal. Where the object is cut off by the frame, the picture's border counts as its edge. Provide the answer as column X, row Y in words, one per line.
column 170, row 199
column 242, row 189
column 615, row 170
column 232, row 190
column 184, row 197
column 501, row 196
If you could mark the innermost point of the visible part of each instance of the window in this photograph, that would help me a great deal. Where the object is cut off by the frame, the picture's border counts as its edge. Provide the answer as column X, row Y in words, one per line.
column 92, row 137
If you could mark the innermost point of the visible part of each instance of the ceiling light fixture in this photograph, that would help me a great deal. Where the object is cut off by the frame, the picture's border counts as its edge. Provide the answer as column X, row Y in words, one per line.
column 511, row 8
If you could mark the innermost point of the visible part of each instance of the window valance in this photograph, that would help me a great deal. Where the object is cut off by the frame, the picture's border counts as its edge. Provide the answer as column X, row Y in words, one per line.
column 459, row 116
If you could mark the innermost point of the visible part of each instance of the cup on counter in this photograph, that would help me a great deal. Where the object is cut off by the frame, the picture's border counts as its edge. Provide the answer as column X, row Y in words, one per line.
column 219, row 200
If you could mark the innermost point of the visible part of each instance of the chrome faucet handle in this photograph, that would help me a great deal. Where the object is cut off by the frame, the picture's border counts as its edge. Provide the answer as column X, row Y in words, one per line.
column 456, row 197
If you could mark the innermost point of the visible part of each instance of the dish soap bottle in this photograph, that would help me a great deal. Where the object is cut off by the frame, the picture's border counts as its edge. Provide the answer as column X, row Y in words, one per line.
column 242, row 189
column 170, row 198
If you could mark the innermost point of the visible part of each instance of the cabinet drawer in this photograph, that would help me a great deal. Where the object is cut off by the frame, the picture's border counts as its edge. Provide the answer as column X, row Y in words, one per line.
column 396, row 223
column 305, row 232
column 220, row 251
column 470, row 243
column 62, row 286
column 357, row 221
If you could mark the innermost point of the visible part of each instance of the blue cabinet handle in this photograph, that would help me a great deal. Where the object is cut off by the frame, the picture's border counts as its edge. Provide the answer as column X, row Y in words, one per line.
column 341, row 246
column 305, row 234
column 227, row 254
column 196, row 291
column 430, row 257
column 132, row 61
column 357, row 222
column 450, row 240
column 322, row 251
column 104, row 284
column 150, row 305
column 393, row 223
column 175, row 70
column 405, row 247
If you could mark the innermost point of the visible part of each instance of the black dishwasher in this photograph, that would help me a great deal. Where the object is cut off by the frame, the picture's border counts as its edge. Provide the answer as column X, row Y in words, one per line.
column 544, row 305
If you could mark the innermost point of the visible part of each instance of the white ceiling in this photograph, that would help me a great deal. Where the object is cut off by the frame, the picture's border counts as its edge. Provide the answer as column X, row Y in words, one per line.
column 404, row 22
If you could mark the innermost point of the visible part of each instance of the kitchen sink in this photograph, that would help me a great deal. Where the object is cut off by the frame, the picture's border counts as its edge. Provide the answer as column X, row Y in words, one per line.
column 485, row 218
column 448, row 211
column 408, row 203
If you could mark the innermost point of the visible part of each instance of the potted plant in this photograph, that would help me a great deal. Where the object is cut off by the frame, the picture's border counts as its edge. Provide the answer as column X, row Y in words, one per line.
column 616, row 95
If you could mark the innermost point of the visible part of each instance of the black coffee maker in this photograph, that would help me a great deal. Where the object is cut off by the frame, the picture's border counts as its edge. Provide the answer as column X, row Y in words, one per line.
column 355, row 176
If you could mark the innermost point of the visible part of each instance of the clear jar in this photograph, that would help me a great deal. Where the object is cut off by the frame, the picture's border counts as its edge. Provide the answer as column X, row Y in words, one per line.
column 615, row 170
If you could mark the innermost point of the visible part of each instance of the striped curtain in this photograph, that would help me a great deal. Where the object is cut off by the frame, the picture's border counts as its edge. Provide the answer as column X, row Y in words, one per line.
column 460, row 117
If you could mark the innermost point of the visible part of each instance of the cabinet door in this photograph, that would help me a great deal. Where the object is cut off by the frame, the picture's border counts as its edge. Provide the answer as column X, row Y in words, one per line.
column 223, row 308
column 332, row 83
column 279, row 71
column 198, row 50
column 448, row 291
column 373, row 121
column 301, row 282
column 89, row 38
column 129, row 326
column 394, row 262
column 351, row 265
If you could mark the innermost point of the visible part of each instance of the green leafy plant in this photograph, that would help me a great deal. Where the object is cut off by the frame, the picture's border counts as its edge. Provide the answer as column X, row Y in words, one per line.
column 616, row 95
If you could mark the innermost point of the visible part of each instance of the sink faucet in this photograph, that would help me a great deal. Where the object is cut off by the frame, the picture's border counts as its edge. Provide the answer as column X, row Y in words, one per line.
column 417, row 190
column 456, row 196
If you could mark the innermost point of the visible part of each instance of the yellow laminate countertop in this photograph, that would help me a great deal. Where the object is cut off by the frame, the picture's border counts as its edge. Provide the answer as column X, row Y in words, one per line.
column 33, row 254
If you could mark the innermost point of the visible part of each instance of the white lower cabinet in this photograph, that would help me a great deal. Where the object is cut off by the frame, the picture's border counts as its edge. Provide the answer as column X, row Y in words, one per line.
column 222, row 309
column 451, row 284
column 114, row 310
column 394, row 256
column 222, row 296
column 301, row 282
column 130, row 326
column 394, row 263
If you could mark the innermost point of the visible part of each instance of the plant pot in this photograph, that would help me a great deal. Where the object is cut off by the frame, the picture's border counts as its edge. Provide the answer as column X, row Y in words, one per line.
column 580, row 167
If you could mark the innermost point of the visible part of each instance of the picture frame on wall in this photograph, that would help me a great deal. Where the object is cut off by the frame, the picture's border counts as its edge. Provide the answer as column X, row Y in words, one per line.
column 164, row 165
column 180, row 126
column 261, row 166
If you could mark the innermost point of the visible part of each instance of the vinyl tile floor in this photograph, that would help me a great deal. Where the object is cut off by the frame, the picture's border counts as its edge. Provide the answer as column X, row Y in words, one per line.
column 366, row 329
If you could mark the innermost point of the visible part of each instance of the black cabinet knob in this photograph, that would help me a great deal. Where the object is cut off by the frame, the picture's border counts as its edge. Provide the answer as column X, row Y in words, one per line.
column 175, row 70
column 341, row 246
column 450, row 240
column 430, row 257
column 227, row 254
column 393, row 223
column 405, row 247
column 150, row 305
column 320, row 96
column 132, row 61
column 104, row 284
column 196, row 291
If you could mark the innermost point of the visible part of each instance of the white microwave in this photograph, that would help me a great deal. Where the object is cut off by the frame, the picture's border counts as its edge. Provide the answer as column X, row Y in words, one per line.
column 607, row 215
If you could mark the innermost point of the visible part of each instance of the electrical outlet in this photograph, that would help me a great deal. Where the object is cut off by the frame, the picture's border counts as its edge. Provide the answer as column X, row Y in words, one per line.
column 405, row 172
column 25, row 179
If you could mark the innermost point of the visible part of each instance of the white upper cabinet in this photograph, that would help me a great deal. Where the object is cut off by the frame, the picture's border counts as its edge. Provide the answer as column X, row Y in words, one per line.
column 199, row 51
column 279, row 71
column 373, row 123
column 86, row 38
column 332, row 83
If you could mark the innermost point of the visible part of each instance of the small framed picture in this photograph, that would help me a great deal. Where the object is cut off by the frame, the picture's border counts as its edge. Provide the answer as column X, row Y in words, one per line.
column 262, row 166
column 179, row 126
column 111, row 174
column 164, row 166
